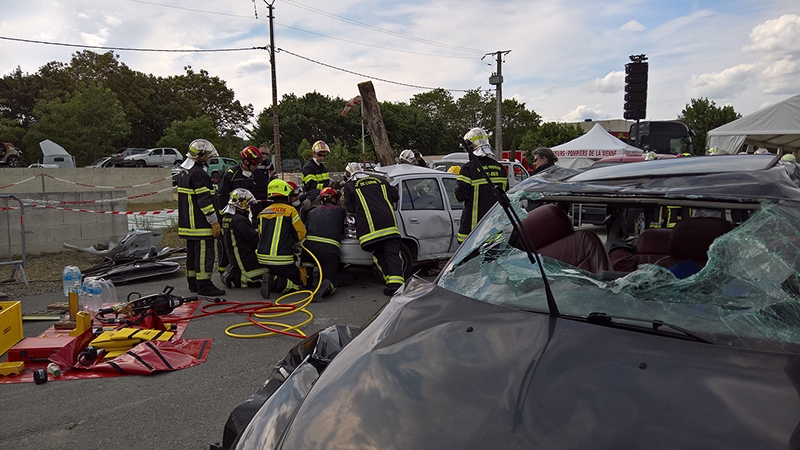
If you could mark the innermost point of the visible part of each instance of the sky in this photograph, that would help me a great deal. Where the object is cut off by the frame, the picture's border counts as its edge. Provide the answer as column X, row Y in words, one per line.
column 564, row 59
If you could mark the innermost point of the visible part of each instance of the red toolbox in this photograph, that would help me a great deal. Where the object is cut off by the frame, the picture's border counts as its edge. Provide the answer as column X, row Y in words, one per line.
column 37, row 349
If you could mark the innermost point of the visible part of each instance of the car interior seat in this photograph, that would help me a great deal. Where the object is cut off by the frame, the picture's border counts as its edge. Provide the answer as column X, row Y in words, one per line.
column 691, row 238
column 551, row 232
column 651, row 246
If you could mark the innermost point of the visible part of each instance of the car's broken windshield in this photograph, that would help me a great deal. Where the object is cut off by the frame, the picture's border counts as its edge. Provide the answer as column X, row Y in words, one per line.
column 747, row 294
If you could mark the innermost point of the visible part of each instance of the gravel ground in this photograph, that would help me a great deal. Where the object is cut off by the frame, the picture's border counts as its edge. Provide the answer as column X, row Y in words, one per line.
column 44, row 270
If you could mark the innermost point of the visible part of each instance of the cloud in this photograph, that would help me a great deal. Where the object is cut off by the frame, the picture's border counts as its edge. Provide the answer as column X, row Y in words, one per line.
column 726, row 84
column 609, row 84
column 583, row 112
column 98, row 38
column 777, row 38
column 632, row 25
column 253, row 65
column 780, row 77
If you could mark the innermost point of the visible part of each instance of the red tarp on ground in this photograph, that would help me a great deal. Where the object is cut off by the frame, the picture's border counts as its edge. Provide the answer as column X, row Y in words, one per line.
column 145, row 358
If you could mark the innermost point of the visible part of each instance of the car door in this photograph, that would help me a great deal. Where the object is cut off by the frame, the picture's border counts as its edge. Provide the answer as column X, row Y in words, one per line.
column 156, row 157
column 425, row 217
column 454, row 210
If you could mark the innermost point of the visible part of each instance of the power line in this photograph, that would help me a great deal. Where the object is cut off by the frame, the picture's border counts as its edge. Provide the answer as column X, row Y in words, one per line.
column 310, row 32
column 381, row 30
column 370, row 77
column 129, row 49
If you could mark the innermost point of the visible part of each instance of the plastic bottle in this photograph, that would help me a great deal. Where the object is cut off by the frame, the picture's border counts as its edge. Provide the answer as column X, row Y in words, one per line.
column 69, row 276
column 109, row 295
column 54, row 370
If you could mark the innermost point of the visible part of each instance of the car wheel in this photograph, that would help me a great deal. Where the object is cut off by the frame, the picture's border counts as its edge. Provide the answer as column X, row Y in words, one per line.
column 214, row 177
column 407, row 259
column 140, row 163
column 12, row 161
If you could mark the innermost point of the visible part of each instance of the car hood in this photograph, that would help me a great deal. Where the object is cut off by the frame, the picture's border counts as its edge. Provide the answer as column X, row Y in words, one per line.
column 439, row 370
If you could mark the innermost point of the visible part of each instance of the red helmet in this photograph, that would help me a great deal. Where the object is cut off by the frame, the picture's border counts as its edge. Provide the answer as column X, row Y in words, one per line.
column 295, row 189
column 328, row 193
column 251, row 154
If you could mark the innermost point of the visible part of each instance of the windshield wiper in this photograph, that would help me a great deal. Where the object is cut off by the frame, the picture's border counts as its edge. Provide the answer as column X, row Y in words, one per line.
column 527, row 243
column 601, row 318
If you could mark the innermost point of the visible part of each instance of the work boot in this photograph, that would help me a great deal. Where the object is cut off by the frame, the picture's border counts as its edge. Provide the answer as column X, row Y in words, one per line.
column 391, row 289
column 266, row 284
column 206, row 288
column 324, row 291
column 230, row 278
column 192, row 284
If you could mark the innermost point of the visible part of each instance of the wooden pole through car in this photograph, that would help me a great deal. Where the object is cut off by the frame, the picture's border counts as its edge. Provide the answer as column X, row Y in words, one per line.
column 371, row 115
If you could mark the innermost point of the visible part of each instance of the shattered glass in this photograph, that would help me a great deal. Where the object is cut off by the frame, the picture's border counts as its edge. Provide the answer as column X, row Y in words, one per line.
column 747, row 295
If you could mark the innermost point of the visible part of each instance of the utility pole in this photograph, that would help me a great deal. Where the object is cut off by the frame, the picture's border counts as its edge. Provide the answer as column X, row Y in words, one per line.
column 275, row 129
column 497, row 80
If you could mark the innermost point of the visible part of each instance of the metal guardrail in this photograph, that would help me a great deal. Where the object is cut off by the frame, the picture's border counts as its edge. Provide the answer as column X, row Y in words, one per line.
column 20, row 263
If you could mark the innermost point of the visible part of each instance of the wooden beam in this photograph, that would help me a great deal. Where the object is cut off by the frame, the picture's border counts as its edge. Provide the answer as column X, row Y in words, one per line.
column 373, row 120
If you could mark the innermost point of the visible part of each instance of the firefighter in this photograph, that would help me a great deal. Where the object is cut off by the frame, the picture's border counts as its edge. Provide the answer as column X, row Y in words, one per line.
column 370, row 199
column 236, row 177
column 241, row 241
column 471, row 186
column 280, row 233
column 325, row 226
column 413, row 157
column 197, row 217
column 262, row 175
column 315, row 173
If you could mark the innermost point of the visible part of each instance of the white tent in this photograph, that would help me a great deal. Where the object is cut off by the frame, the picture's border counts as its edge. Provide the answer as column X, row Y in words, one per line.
column 774, row 126
column 596, row 144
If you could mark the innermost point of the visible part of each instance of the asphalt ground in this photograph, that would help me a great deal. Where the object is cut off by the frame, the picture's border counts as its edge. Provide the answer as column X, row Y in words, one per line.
column 183, row 409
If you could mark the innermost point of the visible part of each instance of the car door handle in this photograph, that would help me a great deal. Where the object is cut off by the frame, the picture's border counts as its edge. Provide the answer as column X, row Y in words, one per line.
column 413, row 220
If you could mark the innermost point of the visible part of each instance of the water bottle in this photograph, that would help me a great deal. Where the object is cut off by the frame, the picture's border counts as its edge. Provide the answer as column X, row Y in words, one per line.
column 108, row 293
column 69, row 276
column 96, row 299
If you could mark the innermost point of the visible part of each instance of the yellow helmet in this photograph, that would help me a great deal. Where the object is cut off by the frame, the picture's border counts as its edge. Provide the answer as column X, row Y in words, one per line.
column 454, row 169
column 278, row 188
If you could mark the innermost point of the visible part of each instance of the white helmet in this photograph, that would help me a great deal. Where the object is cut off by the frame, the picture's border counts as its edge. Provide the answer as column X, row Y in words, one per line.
column 241, row 198
column 480, row 142
column 407, row 157
column 201, row 150
column 650, row 156
column 716, row 151
column 352, row 168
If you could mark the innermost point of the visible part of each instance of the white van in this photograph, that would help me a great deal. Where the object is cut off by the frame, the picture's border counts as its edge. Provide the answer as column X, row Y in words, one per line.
column 54, row 154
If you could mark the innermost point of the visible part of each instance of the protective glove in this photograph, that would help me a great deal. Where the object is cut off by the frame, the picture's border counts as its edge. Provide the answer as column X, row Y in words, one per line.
column 217, row 229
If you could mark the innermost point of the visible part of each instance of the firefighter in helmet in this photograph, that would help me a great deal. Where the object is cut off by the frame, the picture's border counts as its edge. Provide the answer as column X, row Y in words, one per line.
column 471, row 186
column 197, row 217
column 370, row 199
column 325, row 225
column 280, row 233
column 241, row 241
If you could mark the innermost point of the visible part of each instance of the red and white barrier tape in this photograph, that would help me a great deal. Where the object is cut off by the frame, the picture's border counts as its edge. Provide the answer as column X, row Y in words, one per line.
column 116, row 213
column 86, row 202
column 83, row 184
column 19, row 182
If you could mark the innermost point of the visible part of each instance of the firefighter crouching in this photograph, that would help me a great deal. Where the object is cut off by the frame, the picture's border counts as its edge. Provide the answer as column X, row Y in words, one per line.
column 370, row 199
column 280, row 233
column 325, row 226
column 241, row 241
column 197, row 217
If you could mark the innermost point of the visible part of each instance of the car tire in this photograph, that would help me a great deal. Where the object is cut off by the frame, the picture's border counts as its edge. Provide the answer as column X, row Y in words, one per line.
column 140, row 163
column 12, row 161
column 215, row 177
column 408, row 268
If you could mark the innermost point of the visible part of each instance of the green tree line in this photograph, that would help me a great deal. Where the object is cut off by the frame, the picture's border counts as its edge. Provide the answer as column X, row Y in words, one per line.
column 95, row 104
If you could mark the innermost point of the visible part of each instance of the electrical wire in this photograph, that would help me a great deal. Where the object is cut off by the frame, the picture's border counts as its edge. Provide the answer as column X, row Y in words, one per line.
column 130, row 49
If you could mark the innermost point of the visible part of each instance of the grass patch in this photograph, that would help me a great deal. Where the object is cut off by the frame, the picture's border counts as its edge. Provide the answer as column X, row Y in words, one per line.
column 155, row 206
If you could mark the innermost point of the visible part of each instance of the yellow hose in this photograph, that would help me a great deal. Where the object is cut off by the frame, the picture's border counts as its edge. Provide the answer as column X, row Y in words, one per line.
column 300, row 306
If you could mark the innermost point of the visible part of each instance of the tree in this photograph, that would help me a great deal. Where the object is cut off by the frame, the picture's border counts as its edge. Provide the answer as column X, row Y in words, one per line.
column 18, row 95
column 86, row 125
column 549, row 134
column 702, row 116
column 182, row 132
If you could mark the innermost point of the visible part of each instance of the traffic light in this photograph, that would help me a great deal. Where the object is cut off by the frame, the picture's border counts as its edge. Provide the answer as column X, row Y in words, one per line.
column 636, row 89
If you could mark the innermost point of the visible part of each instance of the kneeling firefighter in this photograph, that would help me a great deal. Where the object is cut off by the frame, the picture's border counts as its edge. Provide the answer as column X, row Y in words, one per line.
column 241, row 241
column 325, row 232
column 280, row 233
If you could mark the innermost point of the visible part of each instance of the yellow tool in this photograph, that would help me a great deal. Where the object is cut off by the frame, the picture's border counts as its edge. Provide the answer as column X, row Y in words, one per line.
column 11, row 368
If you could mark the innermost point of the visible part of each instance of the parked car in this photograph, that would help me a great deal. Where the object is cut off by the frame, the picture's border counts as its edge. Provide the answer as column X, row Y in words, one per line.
column 489, row 355
column 218, row 165
column 118, row 158
column 9, row 155
column 428, row 216
column 154, row 157
column 100, row 162
column 43, row 166
column 291, row 165
column 516, row 171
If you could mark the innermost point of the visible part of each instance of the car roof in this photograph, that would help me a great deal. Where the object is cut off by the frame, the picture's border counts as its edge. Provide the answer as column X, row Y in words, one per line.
column 396, row 170
column 734, row 178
